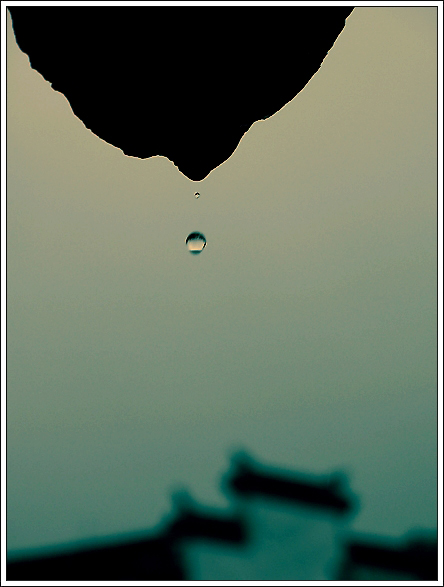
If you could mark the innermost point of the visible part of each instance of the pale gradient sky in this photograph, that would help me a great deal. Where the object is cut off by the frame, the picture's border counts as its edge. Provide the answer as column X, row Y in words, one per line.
column 305, row 331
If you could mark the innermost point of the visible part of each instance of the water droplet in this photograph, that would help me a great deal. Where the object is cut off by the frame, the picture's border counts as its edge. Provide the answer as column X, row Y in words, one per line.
column 196, row 242
column 196, row 195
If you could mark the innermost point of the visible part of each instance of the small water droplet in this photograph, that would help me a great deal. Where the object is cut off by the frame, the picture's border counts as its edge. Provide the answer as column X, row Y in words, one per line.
column 196, row 195
column 196, row 242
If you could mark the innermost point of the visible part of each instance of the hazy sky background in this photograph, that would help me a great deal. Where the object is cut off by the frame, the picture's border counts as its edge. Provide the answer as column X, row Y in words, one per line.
column 305, row 332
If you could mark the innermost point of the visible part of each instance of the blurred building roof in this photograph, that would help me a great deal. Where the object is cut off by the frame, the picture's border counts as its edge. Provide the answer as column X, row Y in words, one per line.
column 329, row 492
column 162, row 555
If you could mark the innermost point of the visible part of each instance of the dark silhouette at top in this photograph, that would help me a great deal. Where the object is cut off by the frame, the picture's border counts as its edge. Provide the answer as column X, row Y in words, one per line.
column 182, row 82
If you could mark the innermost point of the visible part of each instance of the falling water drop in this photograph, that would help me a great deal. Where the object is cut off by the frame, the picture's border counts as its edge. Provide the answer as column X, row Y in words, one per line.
column 196, row 195
column 196, row 242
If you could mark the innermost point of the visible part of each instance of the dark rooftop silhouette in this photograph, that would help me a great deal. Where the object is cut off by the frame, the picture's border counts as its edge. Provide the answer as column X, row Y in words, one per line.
column 145, row 80
column 152, row 559
column 161, row 556
column 418, row 558
column 250, row 478
column 193, row 524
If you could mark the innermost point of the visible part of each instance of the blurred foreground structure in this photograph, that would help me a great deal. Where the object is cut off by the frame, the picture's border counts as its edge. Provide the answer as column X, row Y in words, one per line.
column 279, row 526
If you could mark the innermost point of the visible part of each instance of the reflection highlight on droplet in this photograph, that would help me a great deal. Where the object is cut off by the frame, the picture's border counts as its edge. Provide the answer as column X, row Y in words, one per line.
column 196, row 242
